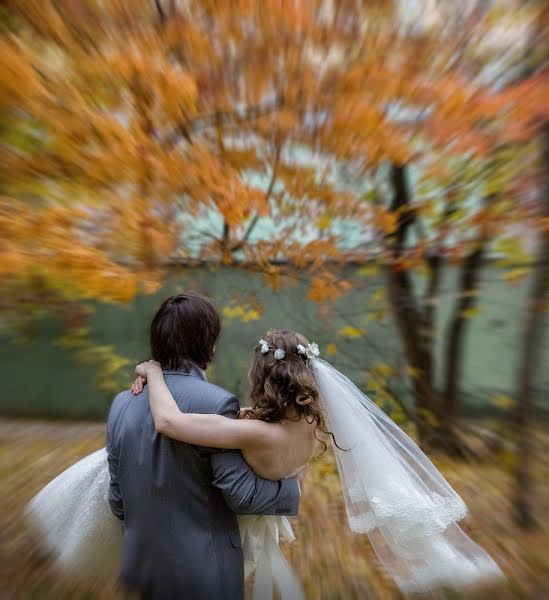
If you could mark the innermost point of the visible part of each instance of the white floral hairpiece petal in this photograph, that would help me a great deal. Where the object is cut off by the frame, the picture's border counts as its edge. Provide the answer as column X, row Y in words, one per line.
column 264, row 346
column 300, row 349
column 312, row 350
column 279, row 354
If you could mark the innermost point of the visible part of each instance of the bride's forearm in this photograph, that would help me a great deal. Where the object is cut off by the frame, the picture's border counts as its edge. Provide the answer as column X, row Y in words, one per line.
column 164, row 408
column 215, row 431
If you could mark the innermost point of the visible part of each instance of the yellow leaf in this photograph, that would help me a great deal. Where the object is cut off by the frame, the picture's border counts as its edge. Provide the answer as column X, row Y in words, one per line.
column 375, row 385
column 243, row 313
column 384, row 369
column 351, row 332
column 232, row 311
column 503, row 401
column 515, row 275
column 368, row 271
column 331, row 349
column 398, row 416
column 251, row 315
column 378, row 295
column 228, row 312
column 323, row 222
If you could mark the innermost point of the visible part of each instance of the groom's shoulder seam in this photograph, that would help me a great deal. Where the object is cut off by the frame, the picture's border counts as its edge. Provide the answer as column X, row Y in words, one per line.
column 214, row 395
column 221, row 392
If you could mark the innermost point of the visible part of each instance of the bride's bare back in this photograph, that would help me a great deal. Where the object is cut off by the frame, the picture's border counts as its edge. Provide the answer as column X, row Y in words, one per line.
column 288, row 448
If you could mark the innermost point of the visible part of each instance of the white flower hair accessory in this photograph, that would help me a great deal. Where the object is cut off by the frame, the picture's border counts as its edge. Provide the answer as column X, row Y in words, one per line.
column 264, row 346
column 301, row 349
column 312, row 350
column 279, row 354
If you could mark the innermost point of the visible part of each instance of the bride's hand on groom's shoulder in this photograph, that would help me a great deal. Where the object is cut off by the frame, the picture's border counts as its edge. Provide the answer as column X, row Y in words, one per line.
column 141, row 372
column 138, row 385
column 143, row 369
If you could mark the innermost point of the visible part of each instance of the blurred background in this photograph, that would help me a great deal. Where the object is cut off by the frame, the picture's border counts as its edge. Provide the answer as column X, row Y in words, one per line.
column 374, row 174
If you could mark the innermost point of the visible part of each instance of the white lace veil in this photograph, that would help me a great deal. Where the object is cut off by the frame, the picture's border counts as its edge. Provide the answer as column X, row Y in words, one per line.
column 396, row 495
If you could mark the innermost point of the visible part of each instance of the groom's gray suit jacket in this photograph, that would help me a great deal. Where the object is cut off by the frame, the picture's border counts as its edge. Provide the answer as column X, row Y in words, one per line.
column 178, row 502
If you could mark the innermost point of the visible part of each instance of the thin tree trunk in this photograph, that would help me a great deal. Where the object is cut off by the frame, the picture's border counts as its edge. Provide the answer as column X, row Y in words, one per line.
column 409, row 320
column 469, row 283
column 454, row 349
column 529, row 363
column 226, row 251
column 455, row 337
column 434, row 263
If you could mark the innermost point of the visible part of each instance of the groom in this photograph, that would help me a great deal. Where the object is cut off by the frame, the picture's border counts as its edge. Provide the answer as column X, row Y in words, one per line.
column 178, row 502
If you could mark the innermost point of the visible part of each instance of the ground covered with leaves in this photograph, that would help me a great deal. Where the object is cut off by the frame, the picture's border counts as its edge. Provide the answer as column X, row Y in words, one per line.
column 332, row 563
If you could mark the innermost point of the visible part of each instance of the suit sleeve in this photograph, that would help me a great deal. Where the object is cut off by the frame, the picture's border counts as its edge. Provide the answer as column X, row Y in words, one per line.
column 243, row 490
column 115, row 498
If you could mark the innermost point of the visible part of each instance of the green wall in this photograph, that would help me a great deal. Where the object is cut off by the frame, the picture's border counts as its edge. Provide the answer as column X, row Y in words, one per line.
column 42, row 380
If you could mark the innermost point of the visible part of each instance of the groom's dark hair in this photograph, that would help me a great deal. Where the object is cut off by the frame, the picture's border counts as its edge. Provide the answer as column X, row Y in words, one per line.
column 184, row 330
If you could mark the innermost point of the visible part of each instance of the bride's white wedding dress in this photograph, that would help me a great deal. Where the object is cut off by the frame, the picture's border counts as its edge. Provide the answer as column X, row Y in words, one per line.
column 72, row 518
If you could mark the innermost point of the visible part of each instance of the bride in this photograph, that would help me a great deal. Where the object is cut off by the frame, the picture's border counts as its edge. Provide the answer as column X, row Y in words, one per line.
column 392, row 491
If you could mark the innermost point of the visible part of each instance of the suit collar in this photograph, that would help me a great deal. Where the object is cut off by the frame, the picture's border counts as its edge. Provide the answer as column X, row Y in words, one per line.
column 192, row 370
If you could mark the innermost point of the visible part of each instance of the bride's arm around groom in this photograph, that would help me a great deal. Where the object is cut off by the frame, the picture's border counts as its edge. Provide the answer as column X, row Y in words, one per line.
column 243, row 491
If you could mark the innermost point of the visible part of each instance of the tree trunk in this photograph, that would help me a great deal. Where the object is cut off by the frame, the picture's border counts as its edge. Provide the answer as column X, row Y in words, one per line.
column 455, row 336
column 459, row 323
column 454, row 351
column 416, row 323
column 226, row 250
column 410, row 321
column 529, row 362
column 435, row 263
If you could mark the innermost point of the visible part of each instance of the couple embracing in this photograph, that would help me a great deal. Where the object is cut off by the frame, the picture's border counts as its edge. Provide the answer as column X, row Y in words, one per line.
column 191, row 494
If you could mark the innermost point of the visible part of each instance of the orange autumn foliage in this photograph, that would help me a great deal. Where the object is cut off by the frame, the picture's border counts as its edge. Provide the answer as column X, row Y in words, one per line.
column 128, row 124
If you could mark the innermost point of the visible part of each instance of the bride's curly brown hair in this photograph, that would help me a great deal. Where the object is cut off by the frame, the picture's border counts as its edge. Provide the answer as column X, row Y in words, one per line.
column 280, row 385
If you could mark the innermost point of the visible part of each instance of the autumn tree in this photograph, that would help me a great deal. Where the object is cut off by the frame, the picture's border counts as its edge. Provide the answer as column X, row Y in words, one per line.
column 441, row 118
column 131, row 120
column 131, row 124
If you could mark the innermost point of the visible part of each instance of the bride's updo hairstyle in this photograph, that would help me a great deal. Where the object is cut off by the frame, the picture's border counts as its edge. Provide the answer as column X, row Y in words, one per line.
column 281, row 380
